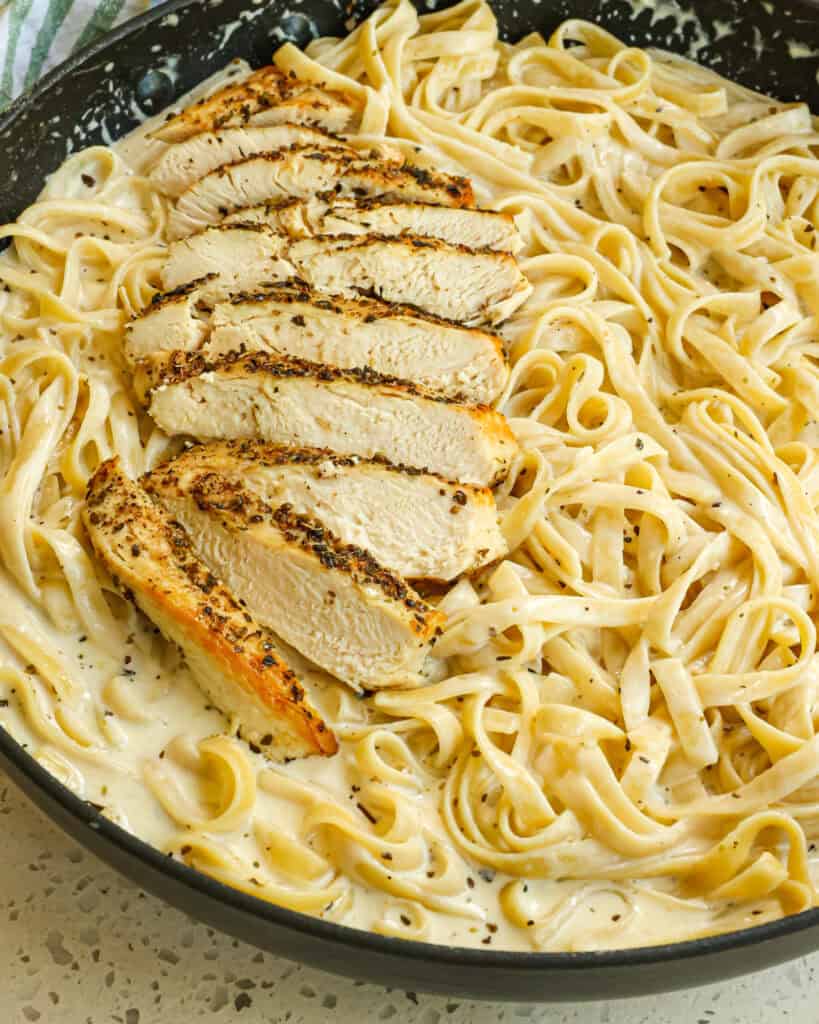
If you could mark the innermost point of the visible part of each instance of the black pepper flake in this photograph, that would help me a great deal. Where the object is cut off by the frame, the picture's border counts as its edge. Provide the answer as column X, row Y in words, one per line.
column 367, row 814
column 87, row 180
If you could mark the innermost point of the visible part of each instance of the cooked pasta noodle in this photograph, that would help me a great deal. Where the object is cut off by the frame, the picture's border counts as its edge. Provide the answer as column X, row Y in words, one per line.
column 616, row 742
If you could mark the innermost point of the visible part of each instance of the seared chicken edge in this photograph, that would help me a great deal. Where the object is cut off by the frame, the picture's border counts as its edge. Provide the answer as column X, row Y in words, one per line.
column 231, row 656
column 267, row 96
column 387, row 216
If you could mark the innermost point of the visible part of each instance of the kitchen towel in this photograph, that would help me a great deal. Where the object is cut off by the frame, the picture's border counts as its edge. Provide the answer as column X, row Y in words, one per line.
column 37, row 34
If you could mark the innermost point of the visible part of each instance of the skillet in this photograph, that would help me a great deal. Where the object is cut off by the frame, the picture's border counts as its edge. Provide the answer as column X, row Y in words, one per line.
column 101, row 93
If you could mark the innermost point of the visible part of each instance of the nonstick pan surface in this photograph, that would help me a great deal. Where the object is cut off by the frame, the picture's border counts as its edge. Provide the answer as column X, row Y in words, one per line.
column 99, row 95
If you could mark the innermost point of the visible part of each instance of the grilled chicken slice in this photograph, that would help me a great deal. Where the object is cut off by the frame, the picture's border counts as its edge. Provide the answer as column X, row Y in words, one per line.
column 331, row 601
column 419, row 525
column 304, row 173
column 172, row 322
column 227, row 260
column 352, row 412
column 268, row 96
column 399, row 341
column 473, row 287
column 230, row 655
column 477, row 229
column 183, row 164
column 292, row 320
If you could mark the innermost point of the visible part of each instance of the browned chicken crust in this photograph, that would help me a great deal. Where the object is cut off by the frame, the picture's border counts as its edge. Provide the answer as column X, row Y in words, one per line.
column 152, row 562
column 364, row 307
column 386, row 215
column 382, row 178
column 166, row 368
column 266, row 453
column 266, row 89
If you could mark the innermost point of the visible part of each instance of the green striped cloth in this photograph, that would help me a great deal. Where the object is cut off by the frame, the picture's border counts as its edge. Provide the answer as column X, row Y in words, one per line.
column 37, row 34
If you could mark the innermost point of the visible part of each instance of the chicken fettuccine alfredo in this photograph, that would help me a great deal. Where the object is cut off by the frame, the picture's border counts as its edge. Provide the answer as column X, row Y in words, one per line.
column 409, row 486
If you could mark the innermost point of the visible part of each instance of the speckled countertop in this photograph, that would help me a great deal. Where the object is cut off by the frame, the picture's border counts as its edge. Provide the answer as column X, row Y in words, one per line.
column 79, row 945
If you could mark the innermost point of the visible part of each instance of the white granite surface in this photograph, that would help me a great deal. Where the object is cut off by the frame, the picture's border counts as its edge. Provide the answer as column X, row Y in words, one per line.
column 79, row 945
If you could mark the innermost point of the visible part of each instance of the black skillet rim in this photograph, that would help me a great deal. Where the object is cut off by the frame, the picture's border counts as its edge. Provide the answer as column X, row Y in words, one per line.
column 314, row 927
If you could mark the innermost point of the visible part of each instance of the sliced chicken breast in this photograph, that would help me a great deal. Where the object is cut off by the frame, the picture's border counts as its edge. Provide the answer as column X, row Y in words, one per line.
column 332, row 601
column 172, row 322
column 473, row 287
column 293, row 320
column 267, row 96
column 477, row 229
column 227, row 260
column 352, row 412
column 183, row 164
column 419, row 525
column 231, row 656
column 305, row 173
column 395, row 340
